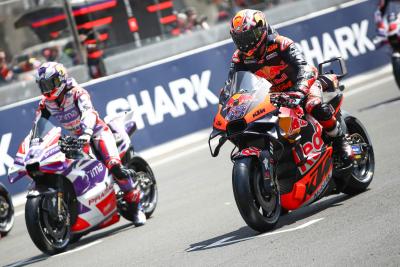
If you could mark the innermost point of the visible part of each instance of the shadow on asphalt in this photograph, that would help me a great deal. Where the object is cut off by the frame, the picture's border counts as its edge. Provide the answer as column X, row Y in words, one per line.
column 244, row 233
column 380, row 104
column 77, row 245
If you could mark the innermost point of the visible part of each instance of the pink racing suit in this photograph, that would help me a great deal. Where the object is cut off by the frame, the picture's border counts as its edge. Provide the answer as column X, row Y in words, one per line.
column 77, row 115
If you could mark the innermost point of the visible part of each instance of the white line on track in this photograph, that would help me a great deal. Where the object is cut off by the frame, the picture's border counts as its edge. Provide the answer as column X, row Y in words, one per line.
column 37, row 259
column 225, row 241
column 79, row 248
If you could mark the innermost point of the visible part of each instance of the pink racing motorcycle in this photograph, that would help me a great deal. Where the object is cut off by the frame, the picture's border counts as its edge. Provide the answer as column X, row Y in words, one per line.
column 72, row 193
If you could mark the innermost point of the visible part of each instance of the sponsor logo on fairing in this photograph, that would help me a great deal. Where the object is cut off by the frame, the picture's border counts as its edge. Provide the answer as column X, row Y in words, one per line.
column 102, row 195
column 98, row 169
column 51, row 152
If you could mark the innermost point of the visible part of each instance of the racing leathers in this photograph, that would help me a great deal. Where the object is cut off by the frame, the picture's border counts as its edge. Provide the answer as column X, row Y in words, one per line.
column 76, row 114
column 284, row 66
column 385, row 7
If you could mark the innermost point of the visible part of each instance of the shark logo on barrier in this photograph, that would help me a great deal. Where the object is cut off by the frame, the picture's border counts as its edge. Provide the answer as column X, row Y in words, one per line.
column 346, row 41
column 187, row 94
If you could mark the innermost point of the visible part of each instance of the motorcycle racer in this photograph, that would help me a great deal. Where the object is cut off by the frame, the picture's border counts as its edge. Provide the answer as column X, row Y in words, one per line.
column 384, row 7
column 70, row 105
column 262, row 51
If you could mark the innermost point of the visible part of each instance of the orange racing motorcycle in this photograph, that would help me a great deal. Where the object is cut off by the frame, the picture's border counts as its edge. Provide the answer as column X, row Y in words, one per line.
column 282, row 159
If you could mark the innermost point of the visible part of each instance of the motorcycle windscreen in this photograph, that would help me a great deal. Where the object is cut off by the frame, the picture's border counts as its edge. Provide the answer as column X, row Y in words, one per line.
column 41, row 128
column 247, row 82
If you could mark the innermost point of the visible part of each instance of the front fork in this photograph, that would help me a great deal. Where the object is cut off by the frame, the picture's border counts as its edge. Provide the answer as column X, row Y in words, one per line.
column 267, row 164
column 52, row 198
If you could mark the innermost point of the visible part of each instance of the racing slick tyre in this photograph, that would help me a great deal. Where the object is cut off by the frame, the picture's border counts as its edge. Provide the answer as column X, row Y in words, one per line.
column 396, row 67
column 259, row 207
column 51, row 234
column 147, row 183
column 6, row 212
column 363, row 172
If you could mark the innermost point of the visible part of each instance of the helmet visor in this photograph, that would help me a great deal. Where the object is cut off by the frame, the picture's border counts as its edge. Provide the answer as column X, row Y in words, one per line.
column 247, row 40
column 48, row 85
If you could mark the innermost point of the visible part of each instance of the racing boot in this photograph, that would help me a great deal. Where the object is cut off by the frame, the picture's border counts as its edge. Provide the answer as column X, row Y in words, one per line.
column 341, row 145
column 132, row 194
column 133, row 197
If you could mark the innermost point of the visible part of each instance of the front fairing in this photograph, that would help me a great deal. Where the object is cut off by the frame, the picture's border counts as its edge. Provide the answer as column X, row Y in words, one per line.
column 41, row 149
column 248, row 100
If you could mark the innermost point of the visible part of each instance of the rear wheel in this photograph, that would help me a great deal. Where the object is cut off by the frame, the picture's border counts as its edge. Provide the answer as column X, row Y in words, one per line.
column 50, row 233
column 148, row 185
column 258, row 201
column 363, row 171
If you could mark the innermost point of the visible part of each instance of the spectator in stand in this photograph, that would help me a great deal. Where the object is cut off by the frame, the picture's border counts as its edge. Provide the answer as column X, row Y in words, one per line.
column 6, row 74
column 224, row 9
column 194, row 20
column 181, row 23
column 31, row 63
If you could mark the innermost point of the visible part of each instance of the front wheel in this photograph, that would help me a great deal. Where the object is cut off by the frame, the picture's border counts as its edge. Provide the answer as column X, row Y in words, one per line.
column 396, row 67
column 6, row 213
column 50, row 232
column 258, row 202
column 364, row 166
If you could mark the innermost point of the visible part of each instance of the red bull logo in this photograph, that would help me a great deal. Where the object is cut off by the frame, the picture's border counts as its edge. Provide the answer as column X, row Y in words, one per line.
column 270, row 72
column 237, row 100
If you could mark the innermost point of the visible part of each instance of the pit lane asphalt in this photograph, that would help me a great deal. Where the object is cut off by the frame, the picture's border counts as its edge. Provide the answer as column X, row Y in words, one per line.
column 197, row 223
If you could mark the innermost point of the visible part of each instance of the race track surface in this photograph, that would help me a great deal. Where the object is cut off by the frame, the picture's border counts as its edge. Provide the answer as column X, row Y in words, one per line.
column 197, row 223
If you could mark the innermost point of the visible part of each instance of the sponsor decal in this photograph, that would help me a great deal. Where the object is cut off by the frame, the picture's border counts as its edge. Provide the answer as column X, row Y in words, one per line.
column 98, row 169
column 311, row 150
column 272, row 55
column 67, row 116
column 345, row 41
column 316, row 177
column 258, row 112
column 272, row 47
column 188, row 95
column 102, row 195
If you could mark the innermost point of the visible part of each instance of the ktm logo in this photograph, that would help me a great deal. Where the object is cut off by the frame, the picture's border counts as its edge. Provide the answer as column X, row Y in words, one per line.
column 258, row 112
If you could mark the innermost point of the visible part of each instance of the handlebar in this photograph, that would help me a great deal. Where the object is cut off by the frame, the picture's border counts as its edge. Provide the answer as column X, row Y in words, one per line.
column 286, row 100
column 71, row 146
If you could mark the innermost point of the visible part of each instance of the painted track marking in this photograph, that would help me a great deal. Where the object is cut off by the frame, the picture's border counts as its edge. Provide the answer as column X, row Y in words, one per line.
column 228, row 240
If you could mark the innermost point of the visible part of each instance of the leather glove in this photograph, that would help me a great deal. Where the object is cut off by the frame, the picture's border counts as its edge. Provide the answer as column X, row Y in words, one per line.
column 85, row 138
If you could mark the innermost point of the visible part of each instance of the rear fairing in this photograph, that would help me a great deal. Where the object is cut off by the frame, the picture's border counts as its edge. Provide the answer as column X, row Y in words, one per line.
column 122, row 125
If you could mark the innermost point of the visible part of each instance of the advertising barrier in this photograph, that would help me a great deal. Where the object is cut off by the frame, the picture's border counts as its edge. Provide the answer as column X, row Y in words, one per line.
column 179, row 96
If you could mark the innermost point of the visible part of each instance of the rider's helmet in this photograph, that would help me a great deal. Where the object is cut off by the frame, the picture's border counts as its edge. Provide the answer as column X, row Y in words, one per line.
column 249, row 31
column 51, row 78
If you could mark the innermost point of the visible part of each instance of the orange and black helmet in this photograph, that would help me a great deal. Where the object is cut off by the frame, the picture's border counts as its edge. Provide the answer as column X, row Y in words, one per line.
column 249, row 29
